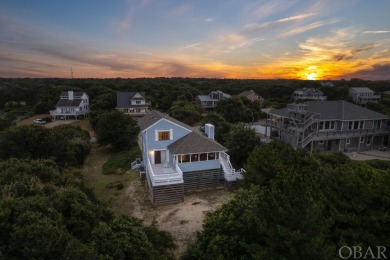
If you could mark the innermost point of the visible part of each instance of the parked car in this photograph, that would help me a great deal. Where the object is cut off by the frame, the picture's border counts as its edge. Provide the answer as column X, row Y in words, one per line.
column 39, row 121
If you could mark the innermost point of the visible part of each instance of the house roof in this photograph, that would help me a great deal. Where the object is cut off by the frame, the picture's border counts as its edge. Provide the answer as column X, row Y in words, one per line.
column 204, row 98
column 336, row 110
column 123, row 99
column 246, row 93
column 195, row 143
column 308, row 91
column 223, row 94
column 65, row 102
column 362, row 90
column 75, row 94
column 68, row 103
column 155, row 116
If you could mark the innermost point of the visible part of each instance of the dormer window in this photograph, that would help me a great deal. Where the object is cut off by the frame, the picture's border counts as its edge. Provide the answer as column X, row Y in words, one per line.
column 163, row 135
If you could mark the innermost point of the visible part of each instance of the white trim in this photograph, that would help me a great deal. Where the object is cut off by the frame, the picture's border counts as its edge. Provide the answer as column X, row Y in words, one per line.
column 169, row 121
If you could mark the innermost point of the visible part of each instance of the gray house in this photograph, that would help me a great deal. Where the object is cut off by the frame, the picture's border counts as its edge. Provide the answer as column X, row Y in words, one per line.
column 363, row 95
column 211, row 100
column 308, row 94
column 178, row 159
column 330, row 126
column 132, row 103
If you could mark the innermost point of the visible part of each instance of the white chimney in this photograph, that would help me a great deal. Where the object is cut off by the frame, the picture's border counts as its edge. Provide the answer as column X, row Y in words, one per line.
column 209, row 130
column 70, row 95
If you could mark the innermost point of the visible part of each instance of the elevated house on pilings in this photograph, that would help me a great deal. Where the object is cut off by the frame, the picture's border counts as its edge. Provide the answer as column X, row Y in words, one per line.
column 178, row 159
column 330, row 126
column 71, row 105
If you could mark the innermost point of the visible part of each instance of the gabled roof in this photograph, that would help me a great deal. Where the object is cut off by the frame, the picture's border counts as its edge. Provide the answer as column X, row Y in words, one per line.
column 308, row 91
column 195, row 143
column 247, row 93
column 154, row 116
column 123, row 99
column 204, row 98
column 69, row 103
column 75, row 94
column 362, row 90
column 66, row 102
column 336, row 110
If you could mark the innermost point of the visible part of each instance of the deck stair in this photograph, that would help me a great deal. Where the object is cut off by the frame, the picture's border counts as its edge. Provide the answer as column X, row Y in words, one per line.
column 230, row 174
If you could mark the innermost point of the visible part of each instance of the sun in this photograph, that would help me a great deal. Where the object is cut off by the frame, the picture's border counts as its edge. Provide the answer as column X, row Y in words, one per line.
column 311, row 76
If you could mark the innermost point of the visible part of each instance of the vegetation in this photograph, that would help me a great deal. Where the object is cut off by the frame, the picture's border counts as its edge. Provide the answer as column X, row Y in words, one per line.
column 66, row 144
column 121, row 161
column 117, row 129
column 50, row 215
column 294, row 205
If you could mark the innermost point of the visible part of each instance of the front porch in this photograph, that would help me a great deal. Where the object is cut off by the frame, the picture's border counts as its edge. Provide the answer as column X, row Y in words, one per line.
column 54, row 114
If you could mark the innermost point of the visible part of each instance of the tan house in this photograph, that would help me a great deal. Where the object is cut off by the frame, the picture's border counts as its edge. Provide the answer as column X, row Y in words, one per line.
column 252, row 96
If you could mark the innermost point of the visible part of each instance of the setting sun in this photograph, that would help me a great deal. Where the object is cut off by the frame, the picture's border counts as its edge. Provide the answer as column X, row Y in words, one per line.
column 311, row 76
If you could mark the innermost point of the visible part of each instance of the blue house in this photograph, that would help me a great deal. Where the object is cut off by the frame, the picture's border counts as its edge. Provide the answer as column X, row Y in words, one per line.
column 178, row 159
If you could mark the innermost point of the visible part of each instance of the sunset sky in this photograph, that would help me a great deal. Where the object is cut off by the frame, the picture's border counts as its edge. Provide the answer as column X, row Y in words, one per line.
column 298, row 39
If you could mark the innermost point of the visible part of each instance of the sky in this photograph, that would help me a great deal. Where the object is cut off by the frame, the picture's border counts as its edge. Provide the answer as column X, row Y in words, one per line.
column 256, row 39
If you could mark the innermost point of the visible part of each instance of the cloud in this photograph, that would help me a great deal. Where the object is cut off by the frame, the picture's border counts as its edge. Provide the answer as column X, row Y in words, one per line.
column 192, row 45
column 375, row 32
column 296, row 17
column 209, row 20
column 308, row 27
column 376, row 72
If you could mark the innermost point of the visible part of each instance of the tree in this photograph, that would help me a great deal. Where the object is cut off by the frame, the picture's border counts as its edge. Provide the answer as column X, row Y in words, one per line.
column 222, row 127
column 240, row 142
column 117, row 129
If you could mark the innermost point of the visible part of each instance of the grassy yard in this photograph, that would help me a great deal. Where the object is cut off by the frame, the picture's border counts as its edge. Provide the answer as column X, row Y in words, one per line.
column 108, row 187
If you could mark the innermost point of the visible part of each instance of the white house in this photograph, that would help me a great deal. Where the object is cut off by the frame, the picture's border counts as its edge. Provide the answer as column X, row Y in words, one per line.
column 363, row 95
column 71, row 105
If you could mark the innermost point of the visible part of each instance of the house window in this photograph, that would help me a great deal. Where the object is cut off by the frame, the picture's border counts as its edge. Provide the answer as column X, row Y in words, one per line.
column 138, row 102
column 194, row 157
column 368, row 142
column 348, row 141
column 321, row 142
column 361, row 124
column 184, row 158
column 350, row 125
column 203, row 156
column 163, row 135
column 361, row 140
column 378, row 124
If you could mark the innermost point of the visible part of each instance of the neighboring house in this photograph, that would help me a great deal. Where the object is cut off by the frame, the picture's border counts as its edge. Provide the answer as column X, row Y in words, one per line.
column 363, row 95
column 211, row 100
column 71, row 105
column 308, row 94
column 179, row 159
column 327, row 84
column 330, row 126
column 132, row 103
column 252, row 96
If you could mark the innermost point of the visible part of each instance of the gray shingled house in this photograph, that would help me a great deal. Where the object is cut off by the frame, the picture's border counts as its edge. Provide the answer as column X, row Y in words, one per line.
column 330, row 126
column 211, row 100
column 132, row 103
column 178, row 158
column 252, row 96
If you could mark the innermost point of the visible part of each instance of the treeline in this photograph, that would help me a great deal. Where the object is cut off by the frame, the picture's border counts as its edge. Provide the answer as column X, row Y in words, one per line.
column 297, row 205
column 50, row 214
column 47, row 212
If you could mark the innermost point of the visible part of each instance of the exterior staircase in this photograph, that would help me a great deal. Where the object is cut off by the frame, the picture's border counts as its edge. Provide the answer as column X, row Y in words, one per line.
column 136, row 164
column 230, row 174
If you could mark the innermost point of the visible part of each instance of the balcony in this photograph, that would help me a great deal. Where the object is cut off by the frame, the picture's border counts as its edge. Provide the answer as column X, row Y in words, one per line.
column 164, row 174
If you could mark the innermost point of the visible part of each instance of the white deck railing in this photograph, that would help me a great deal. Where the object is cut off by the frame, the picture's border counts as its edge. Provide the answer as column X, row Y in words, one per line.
column 165, row 178
column 230, row 174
